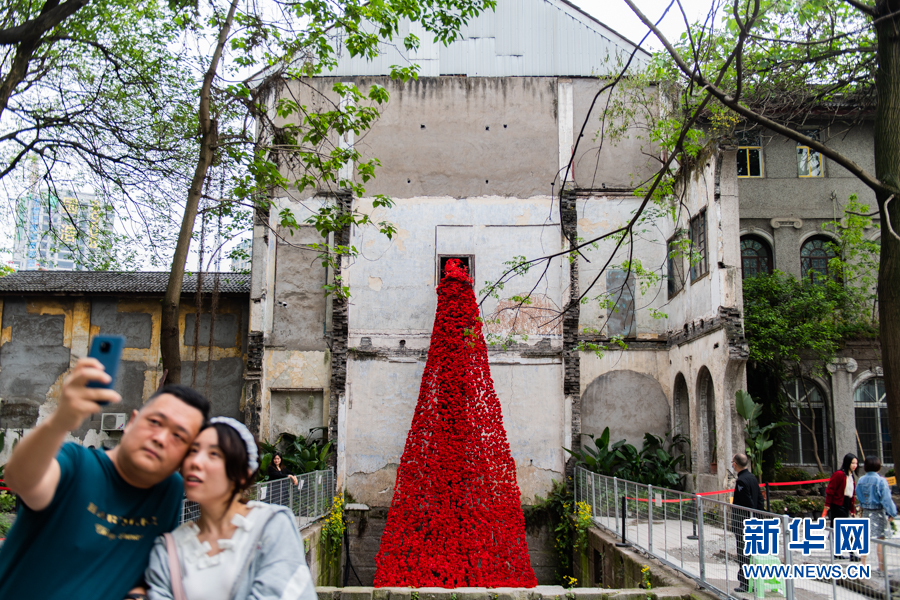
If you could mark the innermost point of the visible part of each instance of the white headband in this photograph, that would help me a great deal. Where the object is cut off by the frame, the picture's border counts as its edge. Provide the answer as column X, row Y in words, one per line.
column 252, row 454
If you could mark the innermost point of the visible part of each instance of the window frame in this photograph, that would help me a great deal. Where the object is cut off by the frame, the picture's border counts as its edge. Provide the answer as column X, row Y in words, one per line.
column 439, row 270
column 747, row 148
column 699, row 236
column 879, row 405
column 822, row 429
column 804, row 272
column 765, row 245
column 672, row 245
column 814, row 134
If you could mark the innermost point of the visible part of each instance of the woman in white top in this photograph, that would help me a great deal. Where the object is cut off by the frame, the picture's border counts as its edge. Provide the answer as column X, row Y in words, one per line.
column 235, row 550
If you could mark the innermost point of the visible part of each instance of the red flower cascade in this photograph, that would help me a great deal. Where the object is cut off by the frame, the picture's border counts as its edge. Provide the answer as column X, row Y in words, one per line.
column 456, row 518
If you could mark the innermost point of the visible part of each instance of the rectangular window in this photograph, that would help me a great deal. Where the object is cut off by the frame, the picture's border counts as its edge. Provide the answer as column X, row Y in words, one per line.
column 621, row 290
column 675, row 266
column 466, row 260
column 699, row 258
column 809, row 161
column 749, row 156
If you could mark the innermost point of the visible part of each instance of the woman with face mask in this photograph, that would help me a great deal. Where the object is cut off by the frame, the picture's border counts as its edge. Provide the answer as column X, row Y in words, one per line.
column 236, row 549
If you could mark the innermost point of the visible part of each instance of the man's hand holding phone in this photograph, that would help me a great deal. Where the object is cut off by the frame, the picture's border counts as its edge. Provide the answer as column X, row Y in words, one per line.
column 77, row 401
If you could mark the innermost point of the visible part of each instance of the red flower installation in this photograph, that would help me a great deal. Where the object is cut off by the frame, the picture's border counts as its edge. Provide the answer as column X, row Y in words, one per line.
column 456, row 518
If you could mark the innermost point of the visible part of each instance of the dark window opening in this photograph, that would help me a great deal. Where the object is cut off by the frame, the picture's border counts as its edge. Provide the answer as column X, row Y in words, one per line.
column 815, row 254
column 749, row 156
column 699, row 258
column 675, row 267
column 466, row 260
column 756, row 257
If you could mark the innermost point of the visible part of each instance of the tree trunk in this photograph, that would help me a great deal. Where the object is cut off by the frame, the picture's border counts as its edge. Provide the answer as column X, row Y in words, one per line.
column 887, row 169
column 170, row 339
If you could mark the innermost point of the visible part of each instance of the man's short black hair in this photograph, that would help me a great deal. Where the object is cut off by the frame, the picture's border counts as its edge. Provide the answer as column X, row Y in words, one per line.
column 188, row 395
column 741, row 460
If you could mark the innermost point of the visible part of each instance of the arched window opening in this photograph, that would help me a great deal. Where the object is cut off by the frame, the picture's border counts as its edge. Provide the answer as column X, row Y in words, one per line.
column 683, row 419
column 806, row 412
column 706, row 403
column 756, row 257
column 814, row 256
column 870, row 403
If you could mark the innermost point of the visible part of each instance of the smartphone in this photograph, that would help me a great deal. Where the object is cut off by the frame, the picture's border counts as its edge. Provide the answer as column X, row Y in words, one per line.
column 108, row 350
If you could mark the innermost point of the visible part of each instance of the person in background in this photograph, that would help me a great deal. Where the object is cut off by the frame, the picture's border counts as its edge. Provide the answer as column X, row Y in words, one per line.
column 279, row 470
column 236, row 550
column 746, row 494
column 840, row 495
column 94, row 515
column 875, row 502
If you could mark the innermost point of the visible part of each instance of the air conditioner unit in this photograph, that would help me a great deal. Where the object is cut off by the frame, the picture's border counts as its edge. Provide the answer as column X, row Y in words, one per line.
column 113, row 421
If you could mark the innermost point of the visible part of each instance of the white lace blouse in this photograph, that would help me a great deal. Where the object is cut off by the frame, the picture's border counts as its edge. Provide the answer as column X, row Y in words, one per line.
column 213, row 577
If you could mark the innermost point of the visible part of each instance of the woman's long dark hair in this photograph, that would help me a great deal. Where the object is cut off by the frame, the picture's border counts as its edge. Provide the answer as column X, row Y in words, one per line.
column 277, row 454
column 236, row 458
column 848, row 459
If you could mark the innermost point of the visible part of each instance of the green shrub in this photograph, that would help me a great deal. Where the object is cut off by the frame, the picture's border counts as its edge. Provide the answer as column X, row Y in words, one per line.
column 791, row 474
column 777, row 507
column 7, row 502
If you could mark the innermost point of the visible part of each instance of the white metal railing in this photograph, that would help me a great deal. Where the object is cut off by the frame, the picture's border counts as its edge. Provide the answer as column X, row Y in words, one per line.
column 309, row 500
column 699, row 536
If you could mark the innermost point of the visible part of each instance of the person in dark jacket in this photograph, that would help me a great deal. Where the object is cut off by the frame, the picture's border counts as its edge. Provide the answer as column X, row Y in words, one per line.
column 746, row 494
column 279, row 470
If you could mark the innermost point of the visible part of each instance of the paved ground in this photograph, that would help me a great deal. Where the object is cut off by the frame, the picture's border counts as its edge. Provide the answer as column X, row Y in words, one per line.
column 668, row 540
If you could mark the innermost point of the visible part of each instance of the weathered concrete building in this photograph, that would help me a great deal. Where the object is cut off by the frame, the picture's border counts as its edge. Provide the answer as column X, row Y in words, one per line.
column 50, row 317
column 472, row 154
column 787, row 193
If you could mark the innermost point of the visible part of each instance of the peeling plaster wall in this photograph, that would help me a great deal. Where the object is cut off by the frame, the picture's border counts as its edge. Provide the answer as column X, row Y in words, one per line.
column 292, row 373
column 43, row 336
column 472, row 136
column 598, row 215
column 382, row 399
column 436, row 139
column 494, row 230
column 604, row 162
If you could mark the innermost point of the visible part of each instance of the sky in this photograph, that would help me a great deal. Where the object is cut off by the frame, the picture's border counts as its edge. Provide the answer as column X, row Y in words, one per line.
column 618, row 16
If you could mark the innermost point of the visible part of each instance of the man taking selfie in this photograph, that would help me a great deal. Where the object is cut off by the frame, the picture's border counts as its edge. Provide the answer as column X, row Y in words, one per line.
column 92, row 516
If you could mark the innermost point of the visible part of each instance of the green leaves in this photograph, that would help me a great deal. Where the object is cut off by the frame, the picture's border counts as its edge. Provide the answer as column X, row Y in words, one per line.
column 756, row 437
column 656, row 463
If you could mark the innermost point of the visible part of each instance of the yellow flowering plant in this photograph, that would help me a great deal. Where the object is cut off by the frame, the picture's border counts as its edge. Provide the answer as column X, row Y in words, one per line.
column 333, row 530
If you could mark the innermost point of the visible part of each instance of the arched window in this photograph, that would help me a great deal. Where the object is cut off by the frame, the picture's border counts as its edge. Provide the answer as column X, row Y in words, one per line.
column 814, row 256
column 872, row 419
column 706, row 400
column 806, row 412
column 756, row 256
column 683, row 418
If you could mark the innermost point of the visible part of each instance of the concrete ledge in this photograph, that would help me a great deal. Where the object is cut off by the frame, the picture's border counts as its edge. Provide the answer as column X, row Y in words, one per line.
column 541, row 592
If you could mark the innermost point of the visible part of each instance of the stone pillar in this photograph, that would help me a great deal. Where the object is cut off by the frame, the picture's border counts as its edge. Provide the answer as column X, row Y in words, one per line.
column 842, row 370
column 786, row 232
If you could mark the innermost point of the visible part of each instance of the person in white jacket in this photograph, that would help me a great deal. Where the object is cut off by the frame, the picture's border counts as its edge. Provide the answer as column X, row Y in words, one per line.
column 235, row 550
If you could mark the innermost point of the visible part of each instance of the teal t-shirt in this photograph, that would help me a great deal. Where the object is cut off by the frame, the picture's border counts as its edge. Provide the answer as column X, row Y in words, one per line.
column 94, row 539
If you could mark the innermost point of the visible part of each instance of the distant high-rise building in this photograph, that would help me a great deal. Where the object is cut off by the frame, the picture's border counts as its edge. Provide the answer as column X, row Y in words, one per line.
column 58, row 233
column 242, row 264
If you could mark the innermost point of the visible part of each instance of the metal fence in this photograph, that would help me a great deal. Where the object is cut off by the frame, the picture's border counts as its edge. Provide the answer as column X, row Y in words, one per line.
column 700, row 537
column 309, row 500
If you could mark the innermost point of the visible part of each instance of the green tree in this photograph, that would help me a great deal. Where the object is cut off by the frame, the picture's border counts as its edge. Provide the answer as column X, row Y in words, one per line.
column 169, row 132
column 773, row 62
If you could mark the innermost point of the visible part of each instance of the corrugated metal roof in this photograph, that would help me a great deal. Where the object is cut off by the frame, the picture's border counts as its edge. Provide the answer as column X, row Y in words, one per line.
column 140, row 282
column 524, row 38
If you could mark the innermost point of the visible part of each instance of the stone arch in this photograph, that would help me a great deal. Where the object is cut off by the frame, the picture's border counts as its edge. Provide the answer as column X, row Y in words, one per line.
column 682, row 416
column 706, row 414
column 629, row 403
